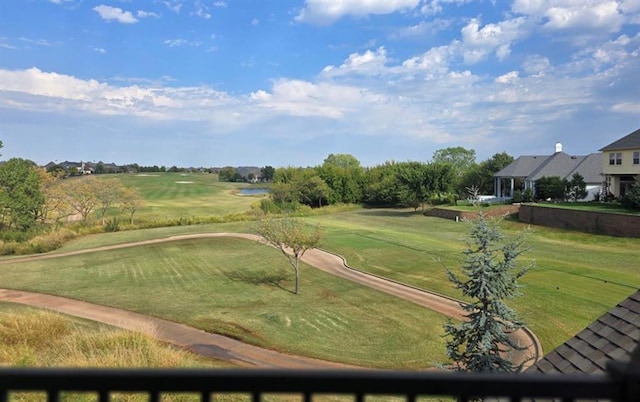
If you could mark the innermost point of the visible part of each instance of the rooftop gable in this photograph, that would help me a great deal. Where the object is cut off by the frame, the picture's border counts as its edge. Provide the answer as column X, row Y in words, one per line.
column 559, row 164
column 630, row 141
column 522, row 166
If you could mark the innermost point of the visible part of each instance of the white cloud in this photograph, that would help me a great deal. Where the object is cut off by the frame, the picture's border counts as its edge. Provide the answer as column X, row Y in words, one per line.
column 536, row 65
column 220, row 4
column 328, row 11
column 434, row 62
column 39, row 42
column 173, row 5
column 433, row 7
column 367, row 63
column 303, row 98
column 181, row 42
column 202, row 10
column 584, row 16
column 478, row 43
column 508, row 78
column 99, row 50
column 58, row 92
column 255, row 22
column 109, row 13
column 147, row 14
column 423, row 28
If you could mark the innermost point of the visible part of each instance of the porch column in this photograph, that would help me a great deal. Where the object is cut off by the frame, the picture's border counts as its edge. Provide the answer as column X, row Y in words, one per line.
column 512, row 185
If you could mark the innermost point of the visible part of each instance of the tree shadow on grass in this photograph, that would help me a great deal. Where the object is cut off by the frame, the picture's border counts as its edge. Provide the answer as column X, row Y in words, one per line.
column 259, row 277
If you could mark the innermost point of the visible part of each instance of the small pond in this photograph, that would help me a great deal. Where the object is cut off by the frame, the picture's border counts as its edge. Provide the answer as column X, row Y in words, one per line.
column 253, row 191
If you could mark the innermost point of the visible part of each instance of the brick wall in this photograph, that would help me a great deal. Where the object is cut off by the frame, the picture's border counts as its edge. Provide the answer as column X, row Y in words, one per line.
column 585, row 221
column 452, row 213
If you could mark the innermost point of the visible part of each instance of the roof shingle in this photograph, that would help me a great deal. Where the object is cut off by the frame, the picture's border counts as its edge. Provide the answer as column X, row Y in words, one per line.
column 615, row 335
column 629, row 141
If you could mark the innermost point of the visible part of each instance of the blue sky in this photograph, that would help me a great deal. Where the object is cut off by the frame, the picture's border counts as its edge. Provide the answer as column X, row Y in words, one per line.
column 287, row 82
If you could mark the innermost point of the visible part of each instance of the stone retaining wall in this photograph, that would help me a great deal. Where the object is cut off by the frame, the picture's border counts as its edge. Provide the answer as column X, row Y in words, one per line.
column 460, row 215
column 585, row 221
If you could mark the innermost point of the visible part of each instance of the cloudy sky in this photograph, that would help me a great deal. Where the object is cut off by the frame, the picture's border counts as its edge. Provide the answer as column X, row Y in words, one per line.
column 286, row 82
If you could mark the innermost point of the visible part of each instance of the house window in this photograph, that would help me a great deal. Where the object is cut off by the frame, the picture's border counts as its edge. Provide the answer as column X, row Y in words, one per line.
column 615, row 158
column 636, row 157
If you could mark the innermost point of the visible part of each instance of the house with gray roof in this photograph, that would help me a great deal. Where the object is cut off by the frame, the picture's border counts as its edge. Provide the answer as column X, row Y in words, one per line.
column 613, row 336
column 523, row 172
column 621, row 163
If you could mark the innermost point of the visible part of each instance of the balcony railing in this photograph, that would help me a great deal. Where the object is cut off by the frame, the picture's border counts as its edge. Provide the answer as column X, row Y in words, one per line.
column 621, row 383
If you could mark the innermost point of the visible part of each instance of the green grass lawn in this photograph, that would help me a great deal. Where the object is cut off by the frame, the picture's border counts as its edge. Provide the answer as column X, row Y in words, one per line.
column 577, row 276
column 185, row 195
column 243, row 289
column 215, row 284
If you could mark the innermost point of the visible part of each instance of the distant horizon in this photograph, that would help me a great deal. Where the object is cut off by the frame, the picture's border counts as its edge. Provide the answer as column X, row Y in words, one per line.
column 4, row 159
column 189, row 82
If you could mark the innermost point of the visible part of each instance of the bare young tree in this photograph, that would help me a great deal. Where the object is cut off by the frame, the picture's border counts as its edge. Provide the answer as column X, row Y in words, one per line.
column 292, row 237
column 131, row 201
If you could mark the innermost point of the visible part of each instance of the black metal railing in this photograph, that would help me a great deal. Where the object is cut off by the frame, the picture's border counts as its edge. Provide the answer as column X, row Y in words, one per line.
column 621, row 383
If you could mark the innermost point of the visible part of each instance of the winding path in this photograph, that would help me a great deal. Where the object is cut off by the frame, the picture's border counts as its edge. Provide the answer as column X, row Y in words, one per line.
column 224, row 348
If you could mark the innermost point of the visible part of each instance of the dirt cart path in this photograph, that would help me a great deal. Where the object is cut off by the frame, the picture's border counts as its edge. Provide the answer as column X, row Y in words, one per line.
column 228, row 349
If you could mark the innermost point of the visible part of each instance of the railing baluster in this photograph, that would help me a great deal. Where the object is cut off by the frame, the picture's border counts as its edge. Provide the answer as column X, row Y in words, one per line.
column 53, row 395
column 104, row 396
column 154, row 396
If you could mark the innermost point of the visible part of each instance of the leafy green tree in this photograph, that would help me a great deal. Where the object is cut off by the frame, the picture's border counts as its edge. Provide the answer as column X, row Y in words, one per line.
column 267, row 173
column 577, row 187
column 293, row 238
column 421, row 181
column 460, row 158
column 381, row 186
column 21, row 195
column 490, row 276
column 481, row 175
column 227, row 173
column 344, row 176
column 100, row 169
column 413, row 178
column 551, row 188
column 314, row 192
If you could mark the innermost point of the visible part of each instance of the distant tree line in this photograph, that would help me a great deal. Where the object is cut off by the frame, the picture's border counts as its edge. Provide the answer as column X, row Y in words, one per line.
column 342, row 179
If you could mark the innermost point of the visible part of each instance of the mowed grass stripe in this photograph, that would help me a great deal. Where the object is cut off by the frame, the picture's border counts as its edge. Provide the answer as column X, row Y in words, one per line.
column 243, row 289
column 577, row 276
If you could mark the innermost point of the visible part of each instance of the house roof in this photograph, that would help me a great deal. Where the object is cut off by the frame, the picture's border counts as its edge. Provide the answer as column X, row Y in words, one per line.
column 630, row 141
column 559, row 164
column 613, row 336
column 522, row 166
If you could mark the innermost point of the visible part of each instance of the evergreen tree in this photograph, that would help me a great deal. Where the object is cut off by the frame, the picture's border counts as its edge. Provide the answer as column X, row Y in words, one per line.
column 481, row 343
column 577, row 187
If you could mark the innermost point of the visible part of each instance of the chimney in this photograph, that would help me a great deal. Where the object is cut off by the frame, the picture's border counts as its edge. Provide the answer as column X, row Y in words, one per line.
column 558, row 147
